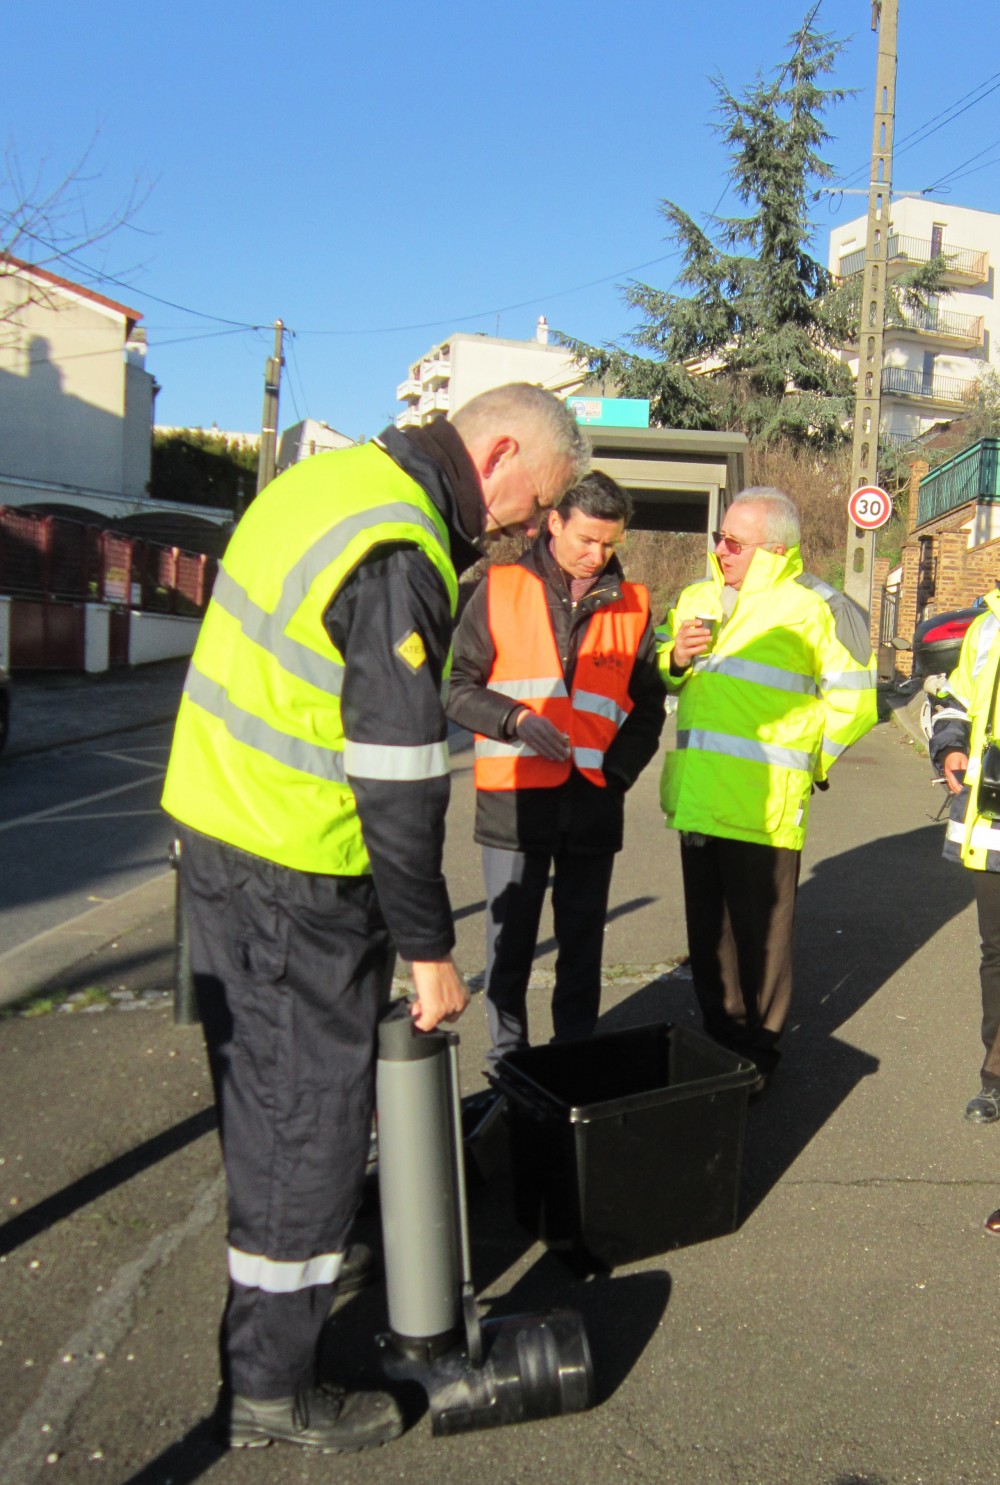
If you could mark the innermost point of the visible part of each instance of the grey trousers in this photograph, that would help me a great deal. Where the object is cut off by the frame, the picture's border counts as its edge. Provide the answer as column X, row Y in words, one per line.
column 515, row 891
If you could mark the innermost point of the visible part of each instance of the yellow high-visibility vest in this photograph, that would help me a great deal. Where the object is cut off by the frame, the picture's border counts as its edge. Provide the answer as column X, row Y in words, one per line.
column 770, row 708
column 259, row 758
column 974, row 837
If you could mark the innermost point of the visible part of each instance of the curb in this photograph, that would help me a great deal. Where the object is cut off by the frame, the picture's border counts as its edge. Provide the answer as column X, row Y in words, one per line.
column 33, row 966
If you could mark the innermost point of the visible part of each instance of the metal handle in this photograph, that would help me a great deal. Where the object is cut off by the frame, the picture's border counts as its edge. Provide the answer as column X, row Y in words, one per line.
column 470, row 1311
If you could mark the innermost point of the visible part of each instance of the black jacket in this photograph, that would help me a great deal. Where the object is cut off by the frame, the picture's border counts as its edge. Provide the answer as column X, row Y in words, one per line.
column 575, row 816
column 396, row 592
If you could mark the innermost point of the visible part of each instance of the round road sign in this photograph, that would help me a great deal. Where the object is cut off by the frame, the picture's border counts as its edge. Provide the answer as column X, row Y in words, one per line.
column 869, row 507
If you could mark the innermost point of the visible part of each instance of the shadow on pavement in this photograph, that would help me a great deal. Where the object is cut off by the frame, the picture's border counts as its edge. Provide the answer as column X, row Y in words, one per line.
column 186, row 1459
column 860, row 917
column 634, row 904
column 97, row 1183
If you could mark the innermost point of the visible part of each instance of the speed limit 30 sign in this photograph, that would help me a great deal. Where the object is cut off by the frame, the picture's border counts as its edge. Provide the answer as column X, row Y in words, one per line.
column 869, row 507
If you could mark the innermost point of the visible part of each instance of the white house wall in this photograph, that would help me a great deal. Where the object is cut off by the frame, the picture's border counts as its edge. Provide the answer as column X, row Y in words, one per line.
column 68, row 416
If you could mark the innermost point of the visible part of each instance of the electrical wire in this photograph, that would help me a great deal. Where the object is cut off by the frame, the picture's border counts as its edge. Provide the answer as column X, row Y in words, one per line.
column 291, row 381
column 952, row 174
column 924, row 131
column 108, row 278
column 502, row 310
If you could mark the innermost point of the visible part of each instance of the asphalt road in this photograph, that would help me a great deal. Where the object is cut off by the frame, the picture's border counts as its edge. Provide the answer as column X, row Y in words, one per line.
column 83, row 825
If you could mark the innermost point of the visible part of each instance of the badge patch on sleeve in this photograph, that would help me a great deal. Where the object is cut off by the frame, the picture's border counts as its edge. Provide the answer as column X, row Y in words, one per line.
column 411, row 649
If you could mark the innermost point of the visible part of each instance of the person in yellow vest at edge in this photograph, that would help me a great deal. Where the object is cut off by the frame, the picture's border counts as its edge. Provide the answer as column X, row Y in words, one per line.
column 775, row 679
column 964, row 721
column 310, row 776
column 555, row 670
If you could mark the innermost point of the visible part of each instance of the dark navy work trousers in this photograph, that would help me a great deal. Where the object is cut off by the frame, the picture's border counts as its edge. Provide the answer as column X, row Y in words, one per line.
column 291, row 971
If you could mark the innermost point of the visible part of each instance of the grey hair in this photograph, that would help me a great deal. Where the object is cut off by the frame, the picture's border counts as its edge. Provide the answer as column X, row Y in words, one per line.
column 511, row 407
column 781, row 516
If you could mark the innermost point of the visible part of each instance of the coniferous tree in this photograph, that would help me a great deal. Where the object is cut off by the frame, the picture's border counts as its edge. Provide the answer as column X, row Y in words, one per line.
column 751, row 338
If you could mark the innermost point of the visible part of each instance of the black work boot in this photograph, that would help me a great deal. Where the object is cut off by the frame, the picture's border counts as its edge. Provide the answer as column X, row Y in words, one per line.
column 324, row 1418
column 357, row 1270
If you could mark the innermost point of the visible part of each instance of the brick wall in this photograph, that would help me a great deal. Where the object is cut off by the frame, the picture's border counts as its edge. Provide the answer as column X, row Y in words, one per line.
column 939, row 571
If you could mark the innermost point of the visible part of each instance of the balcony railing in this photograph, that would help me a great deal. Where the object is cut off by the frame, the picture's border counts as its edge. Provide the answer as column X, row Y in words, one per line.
column 939, row 324
column 408, row 390
column 974, row 474
column 433, row 402
column 966, row 265
column 906, row 381
column 436, row 369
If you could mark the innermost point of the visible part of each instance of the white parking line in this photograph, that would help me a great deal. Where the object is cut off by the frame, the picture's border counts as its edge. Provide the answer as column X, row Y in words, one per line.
column 70, row 804
column 131, row 758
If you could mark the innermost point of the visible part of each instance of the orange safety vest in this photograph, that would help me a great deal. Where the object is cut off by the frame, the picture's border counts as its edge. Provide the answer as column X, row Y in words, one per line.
column 527, row 668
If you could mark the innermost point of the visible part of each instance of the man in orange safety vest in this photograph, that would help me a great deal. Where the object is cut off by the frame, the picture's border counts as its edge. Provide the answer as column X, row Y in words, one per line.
column 555, row 672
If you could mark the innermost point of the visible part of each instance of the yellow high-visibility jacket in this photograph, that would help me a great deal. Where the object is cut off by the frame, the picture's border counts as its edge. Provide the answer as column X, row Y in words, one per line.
column 787, row 686
column 971, row 837
column 259, row 757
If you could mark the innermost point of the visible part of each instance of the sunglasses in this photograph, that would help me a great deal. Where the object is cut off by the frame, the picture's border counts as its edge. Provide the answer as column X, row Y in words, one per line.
column 732, row 546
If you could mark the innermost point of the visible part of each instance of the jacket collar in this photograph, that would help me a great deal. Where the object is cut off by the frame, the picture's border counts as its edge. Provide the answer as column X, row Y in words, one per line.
column 765, row 571
column 436, row 458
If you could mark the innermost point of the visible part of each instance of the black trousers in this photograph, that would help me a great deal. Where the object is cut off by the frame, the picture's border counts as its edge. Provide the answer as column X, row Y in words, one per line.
column 291, row 971
column 988, row 907
column 739, row 900
column 515, row 891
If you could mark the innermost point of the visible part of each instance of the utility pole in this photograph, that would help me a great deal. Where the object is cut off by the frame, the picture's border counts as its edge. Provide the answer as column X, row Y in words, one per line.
column 269, row 418
column 868, row 393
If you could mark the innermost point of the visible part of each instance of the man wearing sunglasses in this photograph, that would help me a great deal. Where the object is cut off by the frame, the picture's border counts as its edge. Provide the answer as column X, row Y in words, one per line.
column 775, row 678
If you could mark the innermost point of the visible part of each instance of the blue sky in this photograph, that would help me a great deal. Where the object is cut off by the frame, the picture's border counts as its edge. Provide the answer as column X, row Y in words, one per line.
column 380, row 174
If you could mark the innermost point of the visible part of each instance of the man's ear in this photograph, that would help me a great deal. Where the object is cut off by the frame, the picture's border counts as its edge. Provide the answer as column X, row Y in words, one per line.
column 497, row 451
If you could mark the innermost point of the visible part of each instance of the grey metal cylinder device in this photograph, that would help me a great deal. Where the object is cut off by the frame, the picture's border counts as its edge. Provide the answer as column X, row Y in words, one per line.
column 476, row 1374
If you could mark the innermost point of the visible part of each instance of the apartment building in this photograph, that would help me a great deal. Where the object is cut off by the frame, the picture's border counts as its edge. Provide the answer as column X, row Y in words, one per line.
column 931, row 359
column 464, row 365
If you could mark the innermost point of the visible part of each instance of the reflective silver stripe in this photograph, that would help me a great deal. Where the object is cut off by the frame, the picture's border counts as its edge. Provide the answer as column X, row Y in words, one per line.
column 834, row 749
column 987, row 634
column 542, row 687
column 254, row 1271
column 588, row 758
column 758, row 674
column 741, row 747
column 396, row 762
column 333, row 543
column 982, row 835
column 267, row 630
column 600, row 706
column 253, row 732
column 849, row 680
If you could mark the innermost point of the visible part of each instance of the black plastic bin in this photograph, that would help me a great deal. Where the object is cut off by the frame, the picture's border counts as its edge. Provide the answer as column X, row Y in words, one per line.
column 627, row 1144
